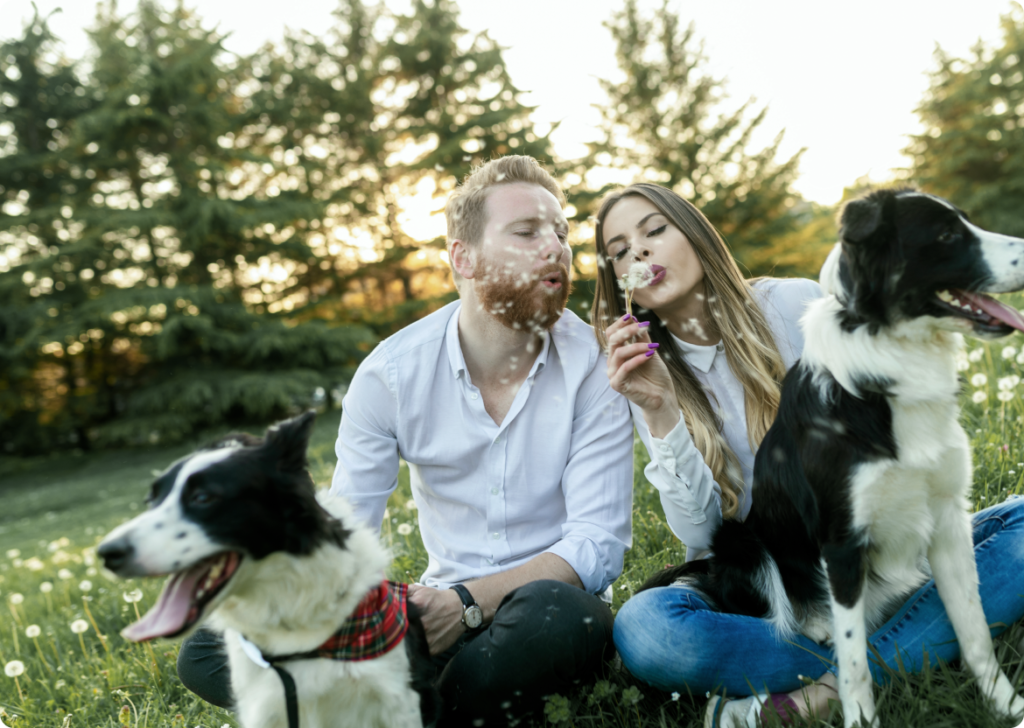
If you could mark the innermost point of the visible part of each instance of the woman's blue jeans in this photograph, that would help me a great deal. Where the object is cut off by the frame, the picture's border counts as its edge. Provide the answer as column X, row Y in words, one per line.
column 671, row 639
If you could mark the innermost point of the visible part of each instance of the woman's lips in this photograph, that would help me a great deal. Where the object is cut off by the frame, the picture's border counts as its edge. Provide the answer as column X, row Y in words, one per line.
column 659, row 275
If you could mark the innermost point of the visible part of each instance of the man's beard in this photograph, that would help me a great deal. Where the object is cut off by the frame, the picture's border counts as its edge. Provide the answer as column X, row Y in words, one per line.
column 514, row 299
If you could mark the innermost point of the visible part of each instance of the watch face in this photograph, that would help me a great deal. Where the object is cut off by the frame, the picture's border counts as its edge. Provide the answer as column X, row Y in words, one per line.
column 473, row 617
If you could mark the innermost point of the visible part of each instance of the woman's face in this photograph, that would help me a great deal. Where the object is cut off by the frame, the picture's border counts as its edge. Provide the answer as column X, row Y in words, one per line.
column 635, row 230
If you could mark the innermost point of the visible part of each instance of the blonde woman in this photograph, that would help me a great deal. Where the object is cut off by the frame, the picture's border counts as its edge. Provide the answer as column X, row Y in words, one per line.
column 701, row 358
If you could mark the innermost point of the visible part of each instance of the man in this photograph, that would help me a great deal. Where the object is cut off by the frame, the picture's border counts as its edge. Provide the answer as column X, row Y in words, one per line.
column 520, row 455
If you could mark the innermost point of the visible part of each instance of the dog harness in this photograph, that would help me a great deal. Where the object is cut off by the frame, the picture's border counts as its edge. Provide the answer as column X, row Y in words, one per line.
column 377, row 625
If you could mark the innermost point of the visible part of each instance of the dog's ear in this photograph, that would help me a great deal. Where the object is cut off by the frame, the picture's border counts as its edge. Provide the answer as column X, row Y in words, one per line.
column 861, row 218
column 287, row 441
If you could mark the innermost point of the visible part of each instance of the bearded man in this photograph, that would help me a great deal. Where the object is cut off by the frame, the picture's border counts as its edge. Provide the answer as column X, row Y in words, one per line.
column 519, row 453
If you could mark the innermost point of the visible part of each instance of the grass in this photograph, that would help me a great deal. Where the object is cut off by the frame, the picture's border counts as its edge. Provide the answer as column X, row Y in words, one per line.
column 55, row 510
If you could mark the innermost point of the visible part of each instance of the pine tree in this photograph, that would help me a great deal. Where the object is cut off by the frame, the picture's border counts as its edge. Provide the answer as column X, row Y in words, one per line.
column 972, row 149
column 666, row 121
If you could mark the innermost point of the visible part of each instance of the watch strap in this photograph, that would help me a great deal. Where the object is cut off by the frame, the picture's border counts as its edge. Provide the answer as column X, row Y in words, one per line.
column 467, row 598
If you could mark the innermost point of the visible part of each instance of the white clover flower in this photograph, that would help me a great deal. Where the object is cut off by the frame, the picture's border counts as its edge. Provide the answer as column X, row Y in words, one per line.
column 34, row 564
column 132, row 596
column 1004, row 396
column 85, row 585
column 65, row 574
column 33, row 631
column 979, row 396
column 16, row 598
column 979, row 380
column 1009, row 352
column 46, row 587
column 976, row 355
column 14, row 668
column 79, row 626
column 13, row 553
column 404, row 529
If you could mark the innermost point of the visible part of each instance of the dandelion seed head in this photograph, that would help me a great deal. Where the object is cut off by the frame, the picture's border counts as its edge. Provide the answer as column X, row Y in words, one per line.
column 34, row 564
column 675, row 697
column 64, row 574
column 133, row 596
column 13, row 553
column 16, row 598
column 79, row 626
column 404, row 529
column 1004, row 396
column 46, row 587
column 975, row 355
column 979, row 380
column 33, row 631
column 14, row 668
column 979, row 396
column 1009, row 352
column 411, row 505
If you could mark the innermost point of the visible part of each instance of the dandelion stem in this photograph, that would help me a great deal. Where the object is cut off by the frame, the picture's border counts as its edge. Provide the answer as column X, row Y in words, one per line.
column 21, row 695
column 103, row 639
column 41, row 657
column 14, row 612
column 81, row 641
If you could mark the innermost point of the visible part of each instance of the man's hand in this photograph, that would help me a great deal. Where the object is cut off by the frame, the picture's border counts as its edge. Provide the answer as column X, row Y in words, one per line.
column 441, row 610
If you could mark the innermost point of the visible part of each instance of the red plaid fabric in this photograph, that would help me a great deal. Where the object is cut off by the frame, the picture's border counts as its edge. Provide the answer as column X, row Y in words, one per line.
column 375, row 627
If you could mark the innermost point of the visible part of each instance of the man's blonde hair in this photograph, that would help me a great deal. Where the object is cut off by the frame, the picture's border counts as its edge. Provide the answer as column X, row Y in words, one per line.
column 465, row 212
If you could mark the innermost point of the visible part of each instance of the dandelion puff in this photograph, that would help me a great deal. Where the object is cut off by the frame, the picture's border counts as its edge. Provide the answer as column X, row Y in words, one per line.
column 132, row 596
column 33, row 631
column 34, row 564
column 1009, row 352
column 675, row 697
column 979, row 396
column 411, row 505
column 46, row 587
column 979, row 380
column 13, row 553
column 85, row 585
column 639, row 275
column 16, row 598
column 1004, row 396
column 79, row 626
column 963, row 365
column 14, row 668
column 65, row 574
column 404, row 529
column 975, row 355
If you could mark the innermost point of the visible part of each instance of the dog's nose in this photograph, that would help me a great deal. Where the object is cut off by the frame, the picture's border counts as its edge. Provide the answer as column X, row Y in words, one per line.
column 116, row 554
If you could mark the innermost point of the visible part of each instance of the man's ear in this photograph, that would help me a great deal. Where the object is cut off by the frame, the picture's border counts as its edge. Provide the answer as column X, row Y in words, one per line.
column 463, row 258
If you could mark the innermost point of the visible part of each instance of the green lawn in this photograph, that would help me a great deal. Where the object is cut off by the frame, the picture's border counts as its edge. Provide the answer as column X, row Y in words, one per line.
column 53, row 510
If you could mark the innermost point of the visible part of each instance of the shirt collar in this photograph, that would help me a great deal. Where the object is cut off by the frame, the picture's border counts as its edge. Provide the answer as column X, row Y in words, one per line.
column 701, row 357
column 458, row 361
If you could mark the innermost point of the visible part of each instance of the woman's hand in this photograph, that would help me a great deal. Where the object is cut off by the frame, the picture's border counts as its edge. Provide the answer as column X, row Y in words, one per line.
column 637, row 371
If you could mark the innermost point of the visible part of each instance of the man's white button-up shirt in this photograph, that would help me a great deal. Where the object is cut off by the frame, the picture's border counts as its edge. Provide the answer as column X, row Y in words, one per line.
column 556, row 476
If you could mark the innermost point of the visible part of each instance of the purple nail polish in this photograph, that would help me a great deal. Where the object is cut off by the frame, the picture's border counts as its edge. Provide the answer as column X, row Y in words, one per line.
column 627, row 317
column 642, row 324
column 653, row 346
column 650, row 352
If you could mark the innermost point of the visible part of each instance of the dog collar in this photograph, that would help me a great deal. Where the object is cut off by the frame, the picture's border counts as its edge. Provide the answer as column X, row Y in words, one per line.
column 377, row 625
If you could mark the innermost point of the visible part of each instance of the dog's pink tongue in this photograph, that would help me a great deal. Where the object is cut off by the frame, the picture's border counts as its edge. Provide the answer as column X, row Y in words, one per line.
column 169, row 614
column 1009, row 316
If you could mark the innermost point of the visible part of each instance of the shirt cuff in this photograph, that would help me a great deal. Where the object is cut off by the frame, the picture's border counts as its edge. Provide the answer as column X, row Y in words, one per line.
column 670, row 454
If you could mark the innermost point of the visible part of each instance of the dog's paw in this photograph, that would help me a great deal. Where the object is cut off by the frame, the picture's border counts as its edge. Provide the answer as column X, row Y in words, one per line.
column 819, row 630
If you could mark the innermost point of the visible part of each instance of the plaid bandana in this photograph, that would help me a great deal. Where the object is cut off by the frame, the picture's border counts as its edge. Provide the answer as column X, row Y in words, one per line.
column 375, row 627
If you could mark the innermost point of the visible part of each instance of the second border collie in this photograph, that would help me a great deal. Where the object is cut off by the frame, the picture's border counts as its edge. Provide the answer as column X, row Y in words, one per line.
column 250, row 549
column 862, row 481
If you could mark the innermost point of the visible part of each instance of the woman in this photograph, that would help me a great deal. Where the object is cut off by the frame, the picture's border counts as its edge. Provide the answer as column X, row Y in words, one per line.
column 701, row 360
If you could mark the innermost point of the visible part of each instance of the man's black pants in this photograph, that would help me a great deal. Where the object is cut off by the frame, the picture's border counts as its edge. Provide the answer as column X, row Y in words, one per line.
column 546, row 637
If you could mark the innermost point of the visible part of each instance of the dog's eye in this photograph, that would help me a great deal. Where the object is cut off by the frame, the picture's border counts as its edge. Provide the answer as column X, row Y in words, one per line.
column 948, row 237
column 201, row 498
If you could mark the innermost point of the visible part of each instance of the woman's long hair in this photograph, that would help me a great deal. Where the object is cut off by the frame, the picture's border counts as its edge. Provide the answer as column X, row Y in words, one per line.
column 730, row 306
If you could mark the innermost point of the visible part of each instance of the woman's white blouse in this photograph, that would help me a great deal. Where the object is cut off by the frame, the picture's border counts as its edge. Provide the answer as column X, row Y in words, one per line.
column 689, row 494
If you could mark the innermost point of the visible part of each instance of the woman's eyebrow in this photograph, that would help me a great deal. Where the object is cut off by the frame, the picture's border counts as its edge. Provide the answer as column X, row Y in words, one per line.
column 639, row 225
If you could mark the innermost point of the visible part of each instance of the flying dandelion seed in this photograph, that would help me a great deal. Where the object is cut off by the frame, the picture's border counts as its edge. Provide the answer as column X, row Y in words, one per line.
column 79, row 626
column 404, row 529
column 14, row 668
column 33, row 631
column 979, row 380
column 132, row 596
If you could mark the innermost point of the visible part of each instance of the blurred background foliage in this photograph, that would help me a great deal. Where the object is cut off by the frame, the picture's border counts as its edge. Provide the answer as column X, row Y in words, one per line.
column 192, row 238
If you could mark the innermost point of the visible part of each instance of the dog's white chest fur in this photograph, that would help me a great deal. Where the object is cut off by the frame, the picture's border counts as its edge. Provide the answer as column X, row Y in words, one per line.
column 369, row 694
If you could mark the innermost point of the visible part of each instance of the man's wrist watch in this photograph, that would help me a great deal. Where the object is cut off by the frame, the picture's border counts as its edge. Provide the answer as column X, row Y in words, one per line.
column 472, row 614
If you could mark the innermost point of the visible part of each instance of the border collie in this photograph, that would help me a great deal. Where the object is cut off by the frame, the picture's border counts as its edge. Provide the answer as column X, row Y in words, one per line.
column 861, row 483
column 250, row 549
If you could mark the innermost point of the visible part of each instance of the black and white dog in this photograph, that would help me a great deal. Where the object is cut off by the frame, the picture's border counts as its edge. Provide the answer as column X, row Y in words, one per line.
column 251, row 550
column 861, row 483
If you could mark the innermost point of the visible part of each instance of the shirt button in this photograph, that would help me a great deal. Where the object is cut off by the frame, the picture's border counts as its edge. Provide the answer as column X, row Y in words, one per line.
column 474, row 395
column 720, row 347
column 497, row 439
column 495, row 536
column 494, row 491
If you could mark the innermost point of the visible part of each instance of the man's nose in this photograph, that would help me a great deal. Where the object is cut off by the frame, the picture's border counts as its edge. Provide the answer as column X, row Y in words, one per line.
column 553, row 249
